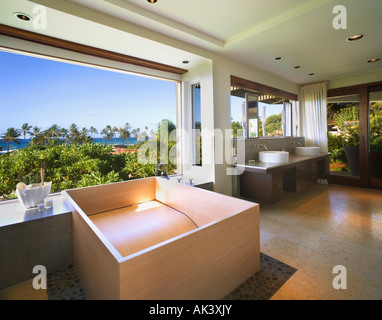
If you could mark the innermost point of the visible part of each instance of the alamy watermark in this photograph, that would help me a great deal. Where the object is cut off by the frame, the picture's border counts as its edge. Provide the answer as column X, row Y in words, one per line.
column 39, row 281
column 217, row 142
column 340, row 20
column 340, row 280
column 39, row 17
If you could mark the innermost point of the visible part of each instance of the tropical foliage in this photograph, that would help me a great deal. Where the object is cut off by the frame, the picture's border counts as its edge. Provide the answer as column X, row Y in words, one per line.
column 77, row 163
column 11, row 135
column 273, row 126
column 345, row 119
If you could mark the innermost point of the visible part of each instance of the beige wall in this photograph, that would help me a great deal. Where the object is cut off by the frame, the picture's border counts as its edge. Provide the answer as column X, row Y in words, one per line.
column 355, row 79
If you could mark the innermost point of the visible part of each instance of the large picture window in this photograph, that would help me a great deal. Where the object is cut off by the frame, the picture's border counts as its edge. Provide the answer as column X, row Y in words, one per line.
column 84, row 123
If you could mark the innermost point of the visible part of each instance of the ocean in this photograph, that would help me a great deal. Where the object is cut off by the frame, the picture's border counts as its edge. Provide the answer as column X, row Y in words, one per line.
column 24, row 142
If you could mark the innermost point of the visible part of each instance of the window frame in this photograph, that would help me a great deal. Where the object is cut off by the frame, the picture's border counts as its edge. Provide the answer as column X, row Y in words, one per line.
column 292, row 98
column 22, row 42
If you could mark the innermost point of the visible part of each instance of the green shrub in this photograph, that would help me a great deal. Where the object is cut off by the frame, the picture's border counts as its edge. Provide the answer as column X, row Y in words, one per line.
column 72, row 166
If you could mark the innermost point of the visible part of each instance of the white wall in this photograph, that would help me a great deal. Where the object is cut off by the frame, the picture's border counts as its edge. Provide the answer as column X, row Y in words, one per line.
column 203, row 75
column 355, row 79
column 214, row 77
column 223, row 68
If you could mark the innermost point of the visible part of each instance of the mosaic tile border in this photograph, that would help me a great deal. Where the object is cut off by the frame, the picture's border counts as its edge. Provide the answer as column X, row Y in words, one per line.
column 264, row 283
column 65, row 285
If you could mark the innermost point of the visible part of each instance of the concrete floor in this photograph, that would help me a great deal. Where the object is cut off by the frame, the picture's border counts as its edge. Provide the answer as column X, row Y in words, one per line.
column 314, row 231
column 325, row 226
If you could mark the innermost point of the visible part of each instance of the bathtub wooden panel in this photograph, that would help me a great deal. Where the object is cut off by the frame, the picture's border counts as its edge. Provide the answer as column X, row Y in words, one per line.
column 138, row 227
column 201, row 206
column 96, row 266
column 107, row 197
column 207, row 263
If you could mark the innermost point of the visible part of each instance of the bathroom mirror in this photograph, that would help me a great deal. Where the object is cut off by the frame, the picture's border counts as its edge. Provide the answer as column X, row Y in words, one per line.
column 252, row 115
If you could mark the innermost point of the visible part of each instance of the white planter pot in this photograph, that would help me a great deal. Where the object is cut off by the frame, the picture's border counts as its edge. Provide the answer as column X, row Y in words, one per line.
column 30, row 196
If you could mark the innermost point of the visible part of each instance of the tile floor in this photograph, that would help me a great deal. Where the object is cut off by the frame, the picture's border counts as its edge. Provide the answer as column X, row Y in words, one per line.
column 314, row 231
column 325, row 226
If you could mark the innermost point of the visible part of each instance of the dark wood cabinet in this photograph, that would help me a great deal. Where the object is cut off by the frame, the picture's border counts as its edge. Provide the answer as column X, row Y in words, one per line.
column 268, row 185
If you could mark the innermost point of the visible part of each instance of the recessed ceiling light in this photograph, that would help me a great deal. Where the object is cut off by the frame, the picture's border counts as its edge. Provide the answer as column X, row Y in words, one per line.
column 311, row 74
column 373, row 60
column 152, row 1
column 297, row 67
column 23, row 16
column 185, row 61
column 278, row 58
column 355, row 37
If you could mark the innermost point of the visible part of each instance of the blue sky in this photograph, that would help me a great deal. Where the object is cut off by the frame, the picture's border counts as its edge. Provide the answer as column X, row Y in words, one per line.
column 44, row 92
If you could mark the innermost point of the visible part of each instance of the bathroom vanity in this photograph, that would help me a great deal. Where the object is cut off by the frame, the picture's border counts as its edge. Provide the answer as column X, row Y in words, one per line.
column 158, row 239
column 266, row 182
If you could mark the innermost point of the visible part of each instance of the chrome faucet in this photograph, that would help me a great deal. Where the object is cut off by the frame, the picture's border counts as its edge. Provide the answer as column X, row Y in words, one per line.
column 164, row 170
column 296, row 143
column 263, row 145
column 257, row 146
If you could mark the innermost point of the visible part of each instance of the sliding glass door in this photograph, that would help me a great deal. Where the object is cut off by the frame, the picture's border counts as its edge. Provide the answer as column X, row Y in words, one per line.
column 375, row 136
column 355, row 135
column 343, row 135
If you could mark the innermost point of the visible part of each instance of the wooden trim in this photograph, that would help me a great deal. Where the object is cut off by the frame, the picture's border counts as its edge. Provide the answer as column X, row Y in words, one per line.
column 350, row 89
column 375, row 88
column 364, row 135
column 376, row 182
column 345, row 180
column 114, row 195
column 254, row 86
column 81, row 48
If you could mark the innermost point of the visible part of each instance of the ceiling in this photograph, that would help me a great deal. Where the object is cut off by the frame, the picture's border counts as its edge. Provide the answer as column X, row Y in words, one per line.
column 254, row 32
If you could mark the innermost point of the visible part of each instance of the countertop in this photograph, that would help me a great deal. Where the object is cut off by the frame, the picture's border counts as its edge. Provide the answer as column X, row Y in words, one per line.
column 12, row 211
column 265, row 167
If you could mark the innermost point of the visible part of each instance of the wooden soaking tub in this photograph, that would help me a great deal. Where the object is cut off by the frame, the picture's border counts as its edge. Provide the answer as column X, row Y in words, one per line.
column 157, row 239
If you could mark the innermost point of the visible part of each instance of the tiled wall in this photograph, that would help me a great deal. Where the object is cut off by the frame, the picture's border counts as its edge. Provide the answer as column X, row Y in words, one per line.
column 280, row 143
column 46, row 241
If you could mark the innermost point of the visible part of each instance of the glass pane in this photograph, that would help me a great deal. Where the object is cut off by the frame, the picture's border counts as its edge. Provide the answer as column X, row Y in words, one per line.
column 197, row 124
column 375, row 133
column 238, row 116
column 343, row 134
column 274, row 116
column 253, row 116
column 287, row 119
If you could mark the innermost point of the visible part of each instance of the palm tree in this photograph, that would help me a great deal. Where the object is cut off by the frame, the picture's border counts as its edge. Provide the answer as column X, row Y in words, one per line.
column 84, row 135
column 107, row 132
column 25, row 128
column 11, row 136
column 93, row 130
column 145, row 133
column 53, row 131
column 35, row 132
column 136, row 133
column 74, row 133
column 64, row 133
column 127, row 126
column 124, row 134
column 114, row 130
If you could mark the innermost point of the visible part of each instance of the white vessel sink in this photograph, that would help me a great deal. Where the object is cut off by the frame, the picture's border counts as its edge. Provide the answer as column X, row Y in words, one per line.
column 307, row 151
column 274, row 156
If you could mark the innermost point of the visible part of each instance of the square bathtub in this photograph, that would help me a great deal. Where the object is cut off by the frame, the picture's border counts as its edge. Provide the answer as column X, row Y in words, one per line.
column 157, row 239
